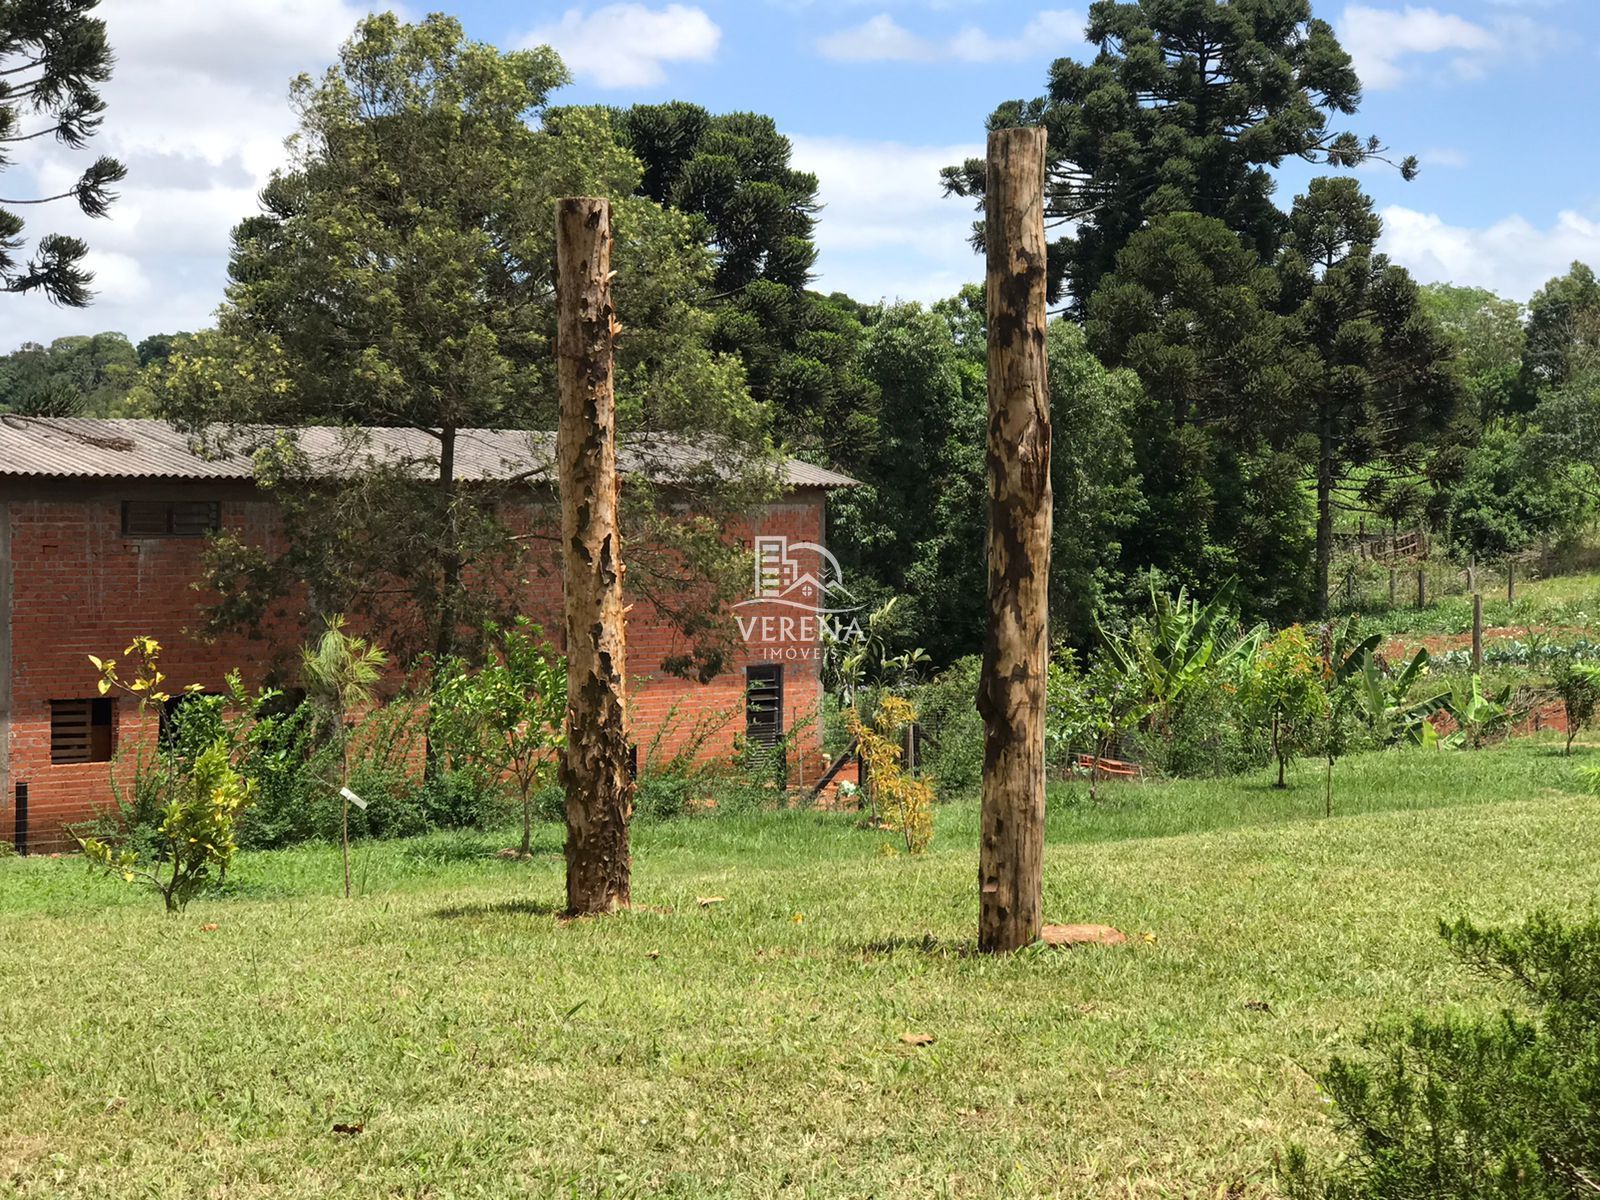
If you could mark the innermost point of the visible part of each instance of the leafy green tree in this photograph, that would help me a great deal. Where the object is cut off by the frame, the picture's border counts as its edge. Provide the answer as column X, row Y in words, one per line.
column 1378, row 384
column 1188, row 106
column 55, row 57
column 1563, row 333
column 1521, row 486
column 72, row 376
column 400, row 274
column 505, row 718
column 1191, row 312
column 1096, row 482
column 732, row 174
column 1487, row 335
column 1284, row 690
column 890, row 531
column 916, row 527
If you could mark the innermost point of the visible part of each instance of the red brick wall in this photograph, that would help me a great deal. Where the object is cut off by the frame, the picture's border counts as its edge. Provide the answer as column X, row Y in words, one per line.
column 78, row 586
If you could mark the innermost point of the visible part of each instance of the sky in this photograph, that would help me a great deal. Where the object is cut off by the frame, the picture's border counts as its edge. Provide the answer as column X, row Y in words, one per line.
column 876, row 96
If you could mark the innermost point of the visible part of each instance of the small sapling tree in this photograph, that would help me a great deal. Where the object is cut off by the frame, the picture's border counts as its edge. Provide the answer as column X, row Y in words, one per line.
column 340, row 672
column 905, row 801
column 1578, row 685
column 506, row 719
column 202, row 794
column 1284, row 692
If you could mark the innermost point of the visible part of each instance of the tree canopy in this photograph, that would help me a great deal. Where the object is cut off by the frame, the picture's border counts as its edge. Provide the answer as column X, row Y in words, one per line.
column 1188, row 106
column 400, row 275
column 53, row 59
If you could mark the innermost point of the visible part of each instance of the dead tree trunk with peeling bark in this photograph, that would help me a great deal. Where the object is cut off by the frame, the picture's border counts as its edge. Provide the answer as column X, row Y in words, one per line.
column 594, row 764
column 1011, row 695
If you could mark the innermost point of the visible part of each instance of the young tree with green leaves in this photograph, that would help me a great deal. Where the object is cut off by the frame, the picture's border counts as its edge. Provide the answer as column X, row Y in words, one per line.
column 1187, row 106
column 54, row 57
column 506, row 718
column 1284, row 689
column 340, row 673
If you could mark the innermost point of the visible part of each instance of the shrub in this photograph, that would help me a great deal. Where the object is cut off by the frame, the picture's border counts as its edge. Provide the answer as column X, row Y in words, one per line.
column 952, row 730
column 1457, row 1106
column 905, row 802
column 193, row 843
column 1284, row 692
column 1578, row 685
column 506, row 719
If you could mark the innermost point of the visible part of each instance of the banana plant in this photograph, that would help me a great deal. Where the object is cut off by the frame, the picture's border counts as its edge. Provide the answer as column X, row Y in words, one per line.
column 1179, row 642
column 1386, row 704
column 1478, row 717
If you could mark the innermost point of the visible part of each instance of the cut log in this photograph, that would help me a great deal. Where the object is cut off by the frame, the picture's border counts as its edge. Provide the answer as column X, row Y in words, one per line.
column 594, row 764
column 1016, row 651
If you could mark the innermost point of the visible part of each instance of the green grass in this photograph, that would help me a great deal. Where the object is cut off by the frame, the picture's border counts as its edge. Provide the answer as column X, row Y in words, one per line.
column 752, row 1047
column 1562, row 600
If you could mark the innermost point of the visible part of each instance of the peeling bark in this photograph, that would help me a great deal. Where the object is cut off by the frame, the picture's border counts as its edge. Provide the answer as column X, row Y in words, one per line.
column 1011, row 696
column 594, row 764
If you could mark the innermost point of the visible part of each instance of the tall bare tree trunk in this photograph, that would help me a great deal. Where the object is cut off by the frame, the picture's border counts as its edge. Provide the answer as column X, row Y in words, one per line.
column 594, row 764
column 1016, row 651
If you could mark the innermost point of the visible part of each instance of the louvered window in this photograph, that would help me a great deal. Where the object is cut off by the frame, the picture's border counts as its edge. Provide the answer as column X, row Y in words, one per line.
column 763, row 705
column 170, row 518
column 81, row 731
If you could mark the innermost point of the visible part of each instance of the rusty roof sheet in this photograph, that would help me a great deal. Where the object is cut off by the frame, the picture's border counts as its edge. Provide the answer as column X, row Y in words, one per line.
column 125, row 448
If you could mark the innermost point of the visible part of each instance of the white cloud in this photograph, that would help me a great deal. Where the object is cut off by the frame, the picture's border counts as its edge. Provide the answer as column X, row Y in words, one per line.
column 625, row 45
column 1513, row 256
column 883, row 39
column 1385, row 43
column 886, row 231
column 1443, row 156
column 877, row 39
column 197, row 110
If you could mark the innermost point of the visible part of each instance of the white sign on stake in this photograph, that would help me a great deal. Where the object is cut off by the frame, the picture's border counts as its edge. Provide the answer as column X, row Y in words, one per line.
column 353, row 798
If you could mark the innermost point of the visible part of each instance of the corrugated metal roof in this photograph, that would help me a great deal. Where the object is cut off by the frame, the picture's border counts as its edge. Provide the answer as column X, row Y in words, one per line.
column 86, row 447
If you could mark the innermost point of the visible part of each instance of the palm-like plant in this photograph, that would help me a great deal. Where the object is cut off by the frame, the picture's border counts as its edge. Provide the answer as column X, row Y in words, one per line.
column 340, row 673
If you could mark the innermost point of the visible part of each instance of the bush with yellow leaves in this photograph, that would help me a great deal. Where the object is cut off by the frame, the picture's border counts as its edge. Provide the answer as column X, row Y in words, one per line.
column 905, row 803
column 193, row 840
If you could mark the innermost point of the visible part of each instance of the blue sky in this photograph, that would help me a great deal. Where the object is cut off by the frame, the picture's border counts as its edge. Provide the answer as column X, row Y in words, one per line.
column 876, row 94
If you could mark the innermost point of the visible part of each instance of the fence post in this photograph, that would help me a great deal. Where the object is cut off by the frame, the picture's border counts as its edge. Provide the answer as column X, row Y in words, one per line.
column 1016, row 651
column 1477, row 633
column 1422, row 587
column 1394, row 587
column 1511, row 581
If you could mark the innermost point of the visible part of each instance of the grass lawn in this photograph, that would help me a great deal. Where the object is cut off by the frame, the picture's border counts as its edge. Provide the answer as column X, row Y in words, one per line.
column 1561, row 601
column 752, row 1047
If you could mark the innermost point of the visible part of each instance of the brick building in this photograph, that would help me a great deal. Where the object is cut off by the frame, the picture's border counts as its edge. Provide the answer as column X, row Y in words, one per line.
column 102, row 527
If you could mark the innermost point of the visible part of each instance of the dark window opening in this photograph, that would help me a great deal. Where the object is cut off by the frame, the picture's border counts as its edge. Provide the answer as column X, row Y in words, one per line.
column 763, row 705
column 170, row 518
column 82, row 731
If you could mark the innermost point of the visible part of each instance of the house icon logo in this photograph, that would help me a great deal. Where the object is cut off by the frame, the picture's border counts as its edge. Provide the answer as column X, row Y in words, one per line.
column 801, row 575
